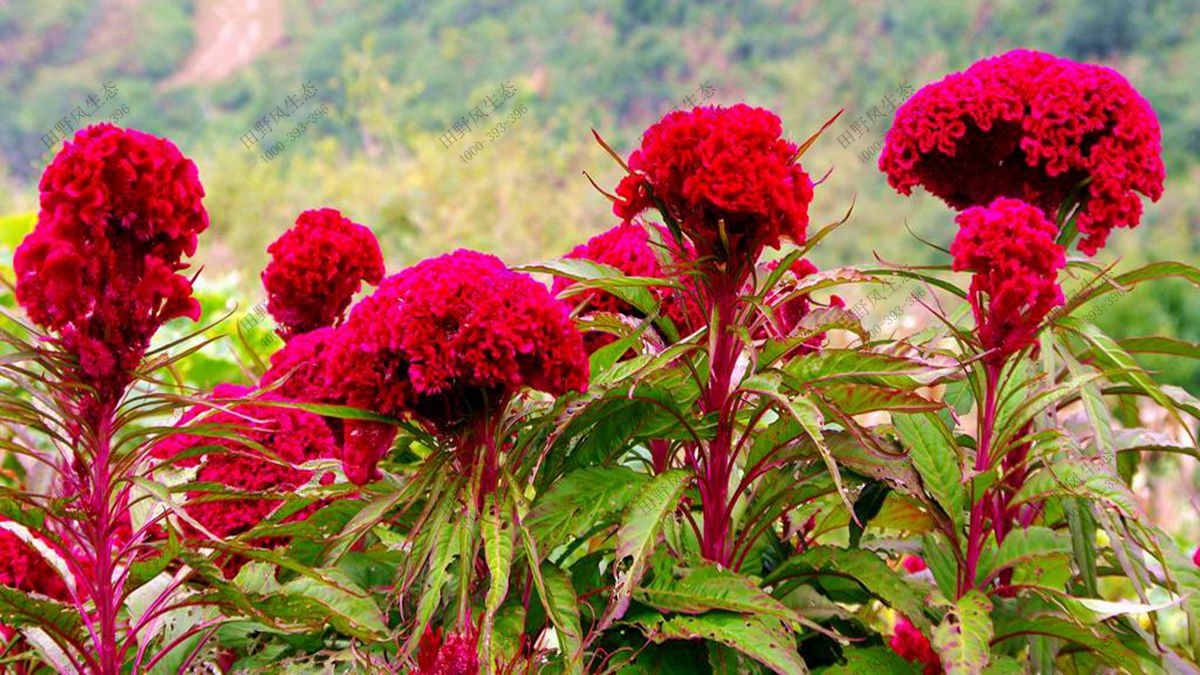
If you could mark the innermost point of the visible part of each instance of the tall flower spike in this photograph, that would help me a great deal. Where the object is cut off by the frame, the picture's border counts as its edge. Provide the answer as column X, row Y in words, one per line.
column 726, row 176
column 119, row 210
column 1009, row 245
column 1035, row 127
column 316, row 268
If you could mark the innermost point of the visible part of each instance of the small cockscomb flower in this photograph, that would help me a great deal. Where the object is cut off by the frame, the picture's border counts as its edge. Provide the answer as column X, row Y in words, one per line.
column 628, row 248
column 1035, row 127
column 726, row 176
column 118, row 213
column 454, row 654
column 24, row 568
column 908, row 642
column 450, row 340
column 913, row 564
column 316, row 268
column 265, row 465
column 789, row 307
column 298, row 369
column 1010, row 247
column 1196, row 557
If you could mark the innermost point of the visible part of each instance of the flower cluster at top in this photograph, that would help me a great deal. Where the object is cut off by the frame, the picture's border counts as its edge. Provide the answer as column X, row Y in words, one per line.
column 450, row 340
column 119, row 210
column 251, row 449
column 1010, row 247
column 725, row 175
column 316, row 268
column 1036, row 127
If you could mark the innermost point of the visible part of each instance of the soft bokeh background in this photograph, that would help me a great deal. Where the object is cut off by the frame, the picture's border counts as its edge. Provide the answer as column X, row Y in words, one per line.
column 397, row 76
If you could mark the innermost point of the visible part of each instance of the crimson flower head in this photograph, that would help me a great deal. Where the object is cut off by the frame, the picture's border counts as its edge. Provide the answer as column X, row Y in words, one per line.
column 912, row 646
column 628, row 248
column 298, row 369
column 913, row 564
column 450, row 340
column 454, row 654
column 726, row 175
column 257, row 451
column 24, row 568
column 119, row 211
column 1010, row 247
column 1196, row 557
column 1035, row 127
column 316, row 268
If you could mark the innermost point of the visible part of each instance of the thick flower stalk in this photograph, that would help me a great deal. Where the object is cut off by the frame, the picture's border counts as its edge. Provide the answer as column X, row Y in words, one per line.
column 1009, row 246
column 448, row 343
column 316, row 268
column 1035, row 127
column 101, row 272
column 730, row 183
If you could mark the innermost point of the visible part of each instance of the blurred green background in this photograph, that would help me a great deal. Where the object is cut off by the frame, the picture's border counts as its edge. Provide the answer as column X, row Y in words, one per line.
column 397, row 76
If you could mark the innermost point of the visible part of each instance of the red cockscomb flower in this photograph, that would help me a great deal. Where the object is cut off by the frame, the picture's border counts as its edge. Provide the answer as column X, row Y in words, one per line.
column 1196, row 557
column 299, row 368
column 726, row 175
column 119, row 210
column 291, row 436
column 316, row 268
column 456, row 654
column 1009, row 245
column 24, row 568
column 913, row 564
column 914, row 647
column 1032, row 126
column 628, row 248
column 450, row 340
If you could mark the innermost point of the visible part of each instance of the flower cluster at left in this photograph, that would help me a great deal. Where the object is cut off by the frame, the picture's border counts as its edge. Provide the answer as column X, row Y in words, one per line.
column 119, row 211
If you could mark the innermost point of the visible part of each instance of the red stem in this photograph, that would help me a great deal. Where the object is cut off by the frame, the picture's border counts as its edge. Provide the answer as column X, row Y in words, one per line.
column 715, row 543
column 977, row 533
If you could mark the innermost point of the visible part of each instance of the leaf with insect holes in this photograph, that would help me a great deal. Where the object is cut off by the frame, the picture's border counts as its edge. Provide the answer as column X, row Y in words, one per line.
column 963, row 638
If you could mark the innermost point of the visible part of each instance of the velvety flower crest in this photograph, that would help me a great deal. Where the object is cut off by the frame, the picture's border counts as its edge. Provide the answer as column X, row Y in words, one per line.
column 725, row 175
column 316, row 268
column 1010, row 247
column 119, row 210
column 1035, row 127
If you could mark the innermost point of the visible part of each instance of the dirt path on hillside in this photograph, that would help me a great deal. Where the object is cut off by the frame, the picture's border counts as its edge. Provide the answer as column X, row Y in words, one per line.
column 229, row 35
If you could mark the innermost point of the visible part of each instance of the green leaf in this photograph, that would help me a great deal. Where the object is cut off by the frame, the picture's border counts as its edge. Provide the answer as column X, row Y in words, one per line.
column 498, row 552
column 872, row 661
column 1097, row 639
column 582, row 500
column 562, row 606
column 1021, row 546
column 349, row 608
column 847, row 365
column 764, row 639
column 858, row 566
column 638, row 535
column 963, row 638
column 936, row 456
column 706, row 586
